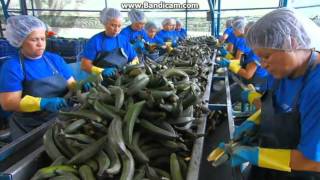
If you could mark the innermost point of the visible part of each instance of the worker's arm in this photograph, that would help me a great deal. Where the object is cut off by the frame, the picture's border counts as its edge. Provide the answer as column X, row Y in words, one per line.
column 10, row 101
column 223, row 38
column 300, row 163
column 277, row 159
column 249, row 71
column 13, row 101
column 87, row 66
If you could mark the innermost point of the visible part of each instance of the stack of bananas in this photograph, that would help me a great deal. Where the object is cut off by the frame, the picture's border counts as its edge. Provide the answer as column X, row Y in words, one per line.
column 142, row 125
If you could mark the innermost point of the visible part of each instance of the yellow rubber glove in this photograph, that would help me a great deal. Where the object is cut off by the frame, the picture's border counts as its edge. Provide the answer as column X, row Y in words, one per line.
column 278, row 159
column 135, row 61
column 255, row 117
column 229, row 56
column 234, row 66
column 168, row 44
column 96, row 70
column 30, row 104
column 249, row 96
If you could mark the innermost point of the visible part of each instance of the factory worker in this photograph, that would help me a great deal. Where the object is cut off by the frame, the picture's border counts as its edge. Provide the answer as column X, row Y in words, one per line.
column 288, row 125
column 231, row 51
column 33, row 82
column 168, row 35
column 227, row 32
column 181, row 32
column 108, row 52
column 152, row 42
column 135, row 31
column 248, row 66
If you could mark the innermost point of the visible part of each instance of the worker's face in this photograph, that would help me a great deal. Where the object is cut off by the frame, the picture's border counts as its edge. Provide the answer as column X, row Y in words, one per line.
column 152, row 32
column 168, row 27
column 113, row 27
column 35, row 44
column 279, row 63
column 238, row 32
column 137, row 26
column 178, row 27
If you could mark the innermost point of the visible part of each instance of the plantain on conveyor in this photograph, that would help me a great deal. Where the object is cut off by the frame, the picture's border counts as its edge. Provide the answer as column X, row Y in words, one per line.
column 142, row 125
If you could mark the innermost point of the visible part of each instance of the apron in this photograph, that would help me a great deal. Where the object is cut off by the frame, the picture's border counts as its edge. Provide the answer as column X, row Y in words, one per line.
column 116, row 57
column 53, row 86
column 276, row 127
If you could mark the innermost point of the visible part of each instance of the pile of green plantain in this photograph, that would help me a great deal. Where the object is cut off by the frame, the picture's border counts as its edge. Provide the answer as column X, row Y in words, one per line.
column 142, row 125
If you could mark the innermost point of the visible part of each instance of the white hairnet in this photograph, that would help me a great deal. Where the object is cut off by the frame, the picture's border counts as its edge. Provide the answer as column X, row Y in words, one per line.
column 284, row 29
column 108, row 14
column 150, row 25
column 19, row 27
column 170, row 21
column 178, row 21
column 136, row 16
column 229, row 22
column 239, row 24
column 248, row 26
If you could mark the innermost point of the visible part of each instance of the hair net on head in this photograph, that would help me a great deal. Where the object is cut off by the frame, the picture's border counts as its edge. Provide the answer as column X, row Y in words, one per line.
column 108, row 14
column 150, row 25
column 229, row 22
column 170, row 21
column 19, row 27
column 284, row 29
column 237, row 18
column 136, row 16
column 239, row 24
column 178, row 21
column 248, row 26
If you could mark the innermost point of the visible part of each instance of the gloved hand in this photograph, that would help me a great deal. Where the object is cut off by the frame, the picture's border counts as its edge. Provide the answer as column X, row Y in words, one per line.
column 223, row 52
column 52, row 104
column 109, row 72
column 241, row 154
column 247, row 127
column 249, row 96
column 86, row 86
column 232, row 65
column 277, row 159
column 224, row 62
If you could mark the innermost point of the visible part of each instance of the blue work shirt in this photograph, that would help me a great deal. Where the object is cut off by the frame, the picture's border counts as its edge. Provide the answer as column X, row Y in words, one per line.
column 133, row 35
column 12, row 75
column 102, row 42
column 154, row 41
column 167, row 36
column 308, row 105
column 231, row 37
column 182, row 34
column 250, row 56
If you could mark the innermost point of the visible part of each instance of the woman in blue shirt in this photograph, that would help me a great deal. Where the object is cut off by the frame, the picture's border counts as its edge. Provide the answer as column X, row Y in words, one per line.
column 152, row 42
column 248, row 65
column 135, row 31
column 288, row 125
column 181, row 32
column 168, row 35
column 108, row 52
column 33, row 82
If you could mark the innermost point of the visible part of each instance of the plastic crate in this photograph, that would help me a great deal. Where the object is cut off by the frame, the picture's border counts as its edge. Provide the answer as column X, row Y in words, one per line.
column 69, row 49
column 6, row 49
